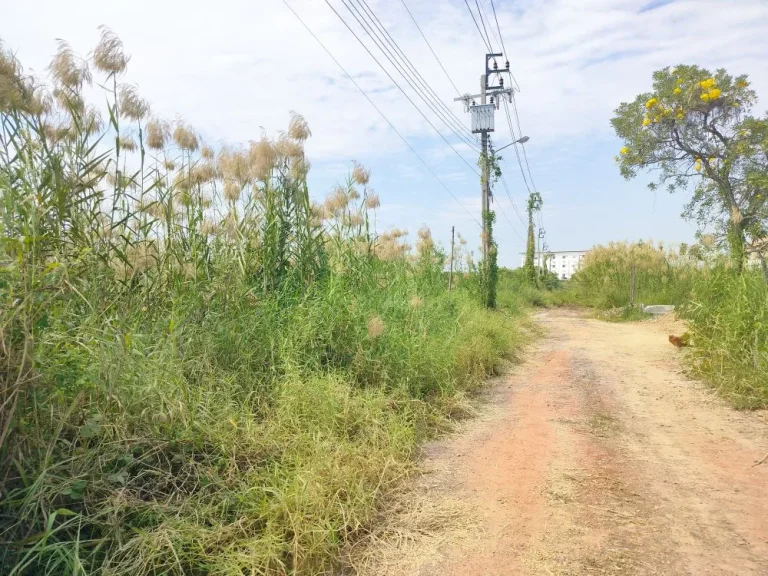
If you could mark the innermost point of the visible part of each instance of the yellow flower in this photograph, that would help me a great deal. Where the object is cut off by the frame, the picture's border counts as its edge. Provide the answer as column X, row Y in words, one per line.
column 677, row 90
column 735, row 104
column 741, row 84
column 646, row 121
column 707, row 84
column 651, row 103
column 679, row 80
column 705, row 96
column 624, row 150
column 697, row 165
column 714, row 94
column 680, row 115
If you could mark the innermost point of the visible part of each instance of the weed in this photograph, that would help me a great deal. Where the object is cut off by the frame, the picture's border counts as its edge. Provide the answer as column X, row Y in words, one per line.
column 203, row 372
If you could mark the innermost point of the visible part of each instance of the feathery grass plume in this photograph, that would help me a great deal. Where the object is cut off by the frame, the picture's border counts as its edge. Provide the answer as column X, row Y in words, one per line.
column 298, row 129
column 336, row 202
column 372, row 201
column 68, row 70
column 152, row 208
column 203, row 172
column 131, row 104
column 108, row 56
column 207, row 152
column 17, row 92
column 231, row 190
column 185, row 137
column 355, row 219
column 391, row 246
column 353, row 194
column 230, row 225
column 169, row 165
column 261, row 158
column 425, row 245
column 299, row 168
column 375, row 326
column 142, row 255
column 156, row 133
column 127, row 143
column 181, row 182
column 208, row 228
column 11, row 95
column 234, row 165
column 360, row 174
column 92, row 121
column 317, row 214
column 289, row 149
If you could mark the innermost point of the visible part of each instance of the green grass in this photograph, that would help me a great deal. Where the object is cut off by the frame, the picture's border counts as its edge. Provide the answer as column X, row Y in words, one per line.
column 203, row 372
column 727, row 315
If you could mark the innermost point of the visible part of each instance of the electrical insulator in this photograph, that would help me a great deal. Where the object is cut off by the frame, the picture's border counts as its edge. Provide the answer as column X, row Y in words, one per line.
column 507, row 64
column 501, row 82
column 491, row 99
column 495, row 65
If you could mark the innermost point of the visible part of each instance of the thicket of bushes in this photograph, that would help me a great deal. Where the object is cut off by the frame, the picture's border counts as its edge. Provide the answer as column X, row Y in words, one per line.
column 726, row 311
column 202, row 371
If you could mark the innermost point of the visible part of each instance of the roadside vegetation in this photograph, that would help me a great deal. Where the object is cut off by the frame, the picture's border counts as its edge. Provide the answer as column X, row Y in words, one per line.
column 726, row 311
column 204, row 372
column 696, row 131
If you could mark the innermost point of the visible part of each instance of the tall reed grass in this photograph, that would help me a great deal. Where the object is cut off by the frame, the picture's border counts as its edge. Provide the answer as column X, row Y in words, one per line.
column 203, row 371
column 726, row 311
column 662, row 276
column 728, row 317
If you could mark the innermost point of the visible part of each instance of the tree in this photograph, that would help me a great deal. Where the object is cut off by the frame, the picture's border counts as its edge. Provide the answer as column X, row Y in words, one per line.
column 695, row 128
column 534, row 205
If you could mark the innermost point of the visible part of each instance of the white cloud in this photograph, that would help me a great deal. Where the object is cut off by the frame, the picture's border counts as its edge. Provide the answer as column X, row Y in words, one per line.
column 234, row 67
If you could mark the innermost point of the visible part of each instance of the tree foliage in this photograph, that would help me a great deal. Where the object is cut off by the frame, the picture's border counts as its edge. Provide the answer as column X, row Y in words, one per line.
column 695, row 129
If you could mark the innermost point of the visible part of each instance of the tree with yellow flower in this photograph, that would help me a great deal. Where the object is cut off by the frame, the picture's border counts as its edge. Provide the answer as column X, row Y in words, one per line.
column 695, row 129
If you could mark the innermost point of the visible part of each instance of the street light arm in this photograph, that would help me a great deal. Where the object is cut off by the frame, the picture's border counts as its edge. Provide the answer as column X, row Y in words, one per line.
column 522, row 140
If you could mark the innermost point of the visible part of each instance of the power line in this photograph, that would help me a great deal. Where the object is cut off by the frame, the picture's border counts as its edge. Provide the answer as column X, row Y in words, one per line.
column 517, row 153
column 444, row 113
column 508, row 222
column 501, row 38
column 348, row 75
column 430, row 48
column 480, row 15
column 514, row 207
column 394, row 81
column 487, row 45
column 520, row 128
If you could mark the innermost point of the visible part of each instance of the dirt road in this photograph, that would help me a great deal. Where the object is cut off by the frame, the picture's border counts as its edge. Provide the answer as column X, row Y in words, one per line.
column 597, row 456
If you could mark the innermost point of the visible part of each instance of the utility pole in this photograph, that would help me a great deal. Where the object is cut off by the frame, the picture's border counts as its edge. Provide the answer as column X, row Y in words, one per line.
column 542, row 233
column 482, row 123
column 450, row 275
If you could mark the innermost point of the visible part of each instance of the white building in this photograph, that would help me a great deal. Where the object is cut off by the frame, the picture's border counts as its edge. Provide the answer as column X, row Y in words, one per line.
column 564, row 263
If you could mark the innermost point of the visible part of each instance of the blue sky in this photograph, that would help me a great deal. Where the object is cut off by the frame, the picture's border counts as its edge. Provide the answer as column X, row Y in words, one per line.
column 236, row 67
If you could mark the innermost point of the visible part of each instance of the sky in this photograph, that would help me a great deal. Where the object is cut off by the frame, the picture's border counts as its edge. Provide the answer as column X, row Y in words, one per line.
column 236, row 68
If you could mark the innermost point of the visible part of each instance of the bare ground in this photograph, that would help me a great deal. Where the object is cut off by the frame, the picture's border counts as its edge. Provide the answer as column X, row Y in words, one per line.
column 597, row 456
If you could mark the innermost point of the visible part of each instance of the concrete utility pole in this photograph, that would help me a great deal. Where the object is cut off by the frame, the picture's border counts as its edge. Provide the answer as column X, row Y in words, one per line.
column 483, row 123
column 542, row 233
